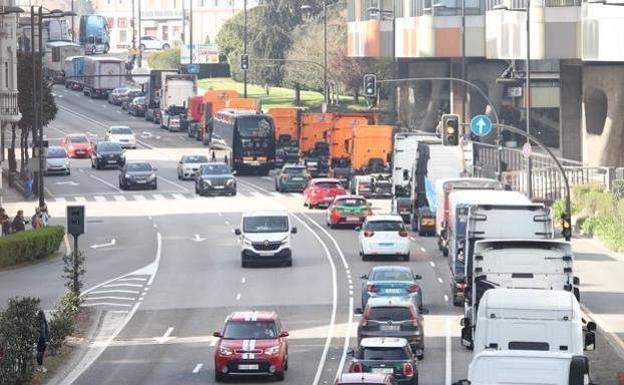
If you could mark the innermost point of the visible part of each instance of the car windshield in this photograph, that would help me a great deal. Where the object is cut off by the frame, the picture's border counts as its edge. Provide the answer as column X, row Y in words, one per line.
column 78, row 139
column 254, row 127
column 215, row 169
column 266, row 224
column 391, row 275
column 121, row 130
column 139, row 167
column 389, row 313
column 195, row 159
column 108, row 147
column 385, row 225
column 56, row 152
column 382, row 354
column 327, row 184
column 139, row 100
column 120, row 90
column 351, row 202
column 250, row 330
column 295, row 170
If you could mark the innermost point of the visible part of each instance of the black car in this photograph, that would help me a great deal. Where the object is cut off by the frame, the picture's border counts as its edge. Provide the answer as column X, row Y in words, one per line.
column 138, row 106
column 215, row 178
column 127, row 99
column 137, row 174
column 107, row 154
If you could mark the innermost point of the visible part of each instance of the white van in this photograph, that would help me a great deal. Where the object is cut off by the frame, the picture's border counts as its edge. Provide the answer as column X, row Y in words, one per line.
column 265, row 237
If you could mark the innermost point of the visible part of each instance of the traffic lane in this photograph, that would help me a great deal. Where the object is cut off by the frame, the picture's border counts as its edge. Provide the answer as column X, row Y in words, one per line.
column 198, row 286
column 131, row 251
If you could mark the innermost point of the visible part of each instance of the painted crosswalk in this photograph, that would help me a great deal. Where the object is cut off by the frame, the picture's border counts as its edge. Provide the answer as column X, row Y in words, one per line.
column 119, row 295
column 103, row 197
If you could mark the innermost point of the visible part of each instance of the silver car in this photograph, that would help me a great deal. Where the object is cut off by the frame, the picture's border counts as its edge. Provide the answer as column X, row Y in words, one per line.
column 189, row 166
column 57, row 161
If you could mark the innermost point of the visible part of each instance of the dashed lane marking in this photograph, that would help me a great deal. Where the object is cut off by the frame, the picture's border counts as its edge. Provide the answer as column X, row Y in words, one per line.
column 238, row 296
column 432, row 263
column 119, row 198
column 446, row 298
column 197, row 368
column 139, row 197
column 440, row 280
column 99, row 198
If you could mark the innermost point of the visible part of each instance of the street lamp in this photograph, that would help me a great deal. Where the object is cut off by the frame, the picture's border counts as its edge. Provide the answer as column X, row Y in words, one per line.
column 245, row 46
column 306, row 10
column 378, row 12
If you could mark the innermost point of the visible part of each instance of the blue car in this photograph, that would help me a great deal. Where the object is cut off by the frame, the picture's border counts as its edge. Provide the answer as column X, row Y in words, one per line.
column 392, row 281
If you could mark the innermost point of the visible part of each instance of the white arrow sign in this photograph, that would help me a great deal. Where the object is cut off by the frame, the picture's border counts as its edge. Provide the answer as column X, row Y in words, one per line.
column 70, row 183
column 198, row 238
column 481, row 124
column 146, row 134
column 165, row 337
column 111, row 243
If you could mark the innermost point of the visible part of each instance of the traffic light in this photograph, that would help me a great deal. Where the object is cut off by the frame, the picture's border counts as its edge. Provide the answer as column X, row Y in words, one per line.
column 244, row 61
column 370, row 85
column 566, row 226
column 450, row 129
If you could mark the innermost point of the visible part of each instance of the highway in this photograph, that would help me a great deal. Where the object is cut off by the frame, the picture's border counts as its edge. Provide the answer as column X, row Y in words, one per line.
column 165, row 267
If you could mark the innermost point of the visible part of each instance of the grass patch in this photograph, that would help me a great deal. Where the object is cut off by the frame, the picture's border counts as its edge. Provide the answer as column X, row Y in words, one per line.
column 282, row 97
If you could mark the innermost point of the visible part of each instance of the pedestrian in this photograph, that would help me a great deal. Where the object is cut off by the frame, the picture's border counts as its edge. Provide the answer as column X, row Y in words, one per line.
column 45, row 215
column 5, row 221
column 214, row 156
column 225, row 159
column 42, row 342
column 35, row 220
column 19, row 224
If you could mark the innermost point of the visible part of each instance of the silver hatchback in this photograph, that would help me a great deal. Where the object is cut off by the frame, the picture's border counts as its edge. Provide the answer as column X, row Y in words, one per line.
column 57, row 161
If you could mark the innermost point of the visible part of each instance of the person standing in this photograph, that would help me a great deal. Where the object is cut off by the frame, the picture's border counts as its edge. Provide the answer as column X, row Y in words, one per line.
column 5, row 222
column 42, row 342
column 45, row 216
column 19, row 224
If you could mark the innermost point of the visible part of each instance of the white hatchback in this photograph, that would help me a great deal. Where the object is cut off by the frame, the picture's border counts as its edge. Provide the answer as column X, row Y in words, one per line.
column 384, row 235
column 122, row 135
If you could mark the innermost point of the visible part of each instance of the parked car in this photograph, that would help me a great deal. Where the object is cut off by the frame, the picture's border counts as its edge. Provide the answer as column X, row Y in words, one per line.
column 150, row 42
column 190, row 165
column 137, row 106
column 386, row 355
column 348, row 210
column 129, row 97
column 251, row 343
column 365, row 379
column 77, row 145
column 114, row 97
column 392, row 281
column 57, row 161
column 107, row 154
column 138, row 174
column 292, row 177
column 321, row 192
column 215, row 178
column 123, row 135
column 384, row 235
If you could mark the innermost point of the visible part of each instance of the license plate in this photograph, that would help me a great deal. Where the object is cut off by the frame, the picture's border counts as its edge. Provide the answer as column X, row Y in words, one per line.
column 382, row 370
column 112, row 161
column 386, row 244
column 79, row 152
column 389, row 328
column 353, row 219
column 218, row 187
column 394, row 291
column 297, row 179
column 249, row 367
column 141, row 181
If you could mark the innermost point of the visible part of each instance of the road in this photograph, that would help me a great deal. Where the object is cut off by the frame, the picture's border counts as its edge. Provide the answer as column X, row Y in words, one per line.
column 165, row 265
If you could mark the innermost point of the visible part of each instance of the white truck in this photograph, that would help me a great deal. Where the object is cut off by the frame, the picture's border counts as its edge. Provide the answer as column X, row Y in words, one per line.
column 176, row 90
column 532, row 319
column 459, row 203
column 527, row 368
column 102, row 75
column 404, row 155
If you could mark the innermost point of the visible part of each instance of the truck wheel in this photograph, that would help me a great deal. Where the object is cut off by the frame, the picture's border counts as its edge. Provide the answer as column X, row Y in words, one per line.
column 106, row 48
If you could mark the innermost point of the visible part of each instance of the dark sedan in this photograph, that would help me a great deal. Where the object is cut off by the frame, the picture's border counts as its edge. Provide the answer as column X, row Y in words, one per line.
column 138, row 106
column 137, row 174
column 107, row 154
column 127, row 99
column 215, row 178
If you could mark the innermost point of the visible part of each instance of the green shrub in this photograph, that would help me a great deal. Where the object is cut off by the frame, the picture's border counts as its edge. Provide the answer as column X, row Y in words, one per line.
column 618, row 189
column 19, row 332
column 167, row 59
column 590, row 224
column 580, row 221
column 63, row 320
column 610, row 230
column 558, row 208
column 30, row 245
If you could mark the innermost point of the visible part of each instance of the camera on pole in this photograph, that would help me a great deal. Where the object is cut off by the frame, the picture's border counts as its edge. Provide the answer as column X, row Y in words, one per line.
column 370, row 85
column 245, row 61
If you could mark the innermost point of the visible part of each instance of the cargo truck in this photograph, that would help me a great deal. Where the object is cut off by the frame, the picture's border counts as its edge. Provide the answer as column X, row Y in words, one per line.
column 102, row 75
column 174, row 94
column 74, row 72
column 152, row 113
column 214, row 101
column 287, row 128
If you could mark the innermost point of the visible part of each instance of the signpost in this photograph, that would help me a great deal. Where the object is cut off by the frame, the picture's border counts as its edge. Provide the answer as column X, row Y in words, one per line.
column 75, row 227
column 481, row 125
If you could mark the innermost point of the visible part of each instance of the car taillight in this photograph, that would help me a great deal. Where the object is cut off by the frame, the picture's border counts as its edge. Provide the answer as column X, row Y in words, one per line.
column 356, row 368
column 369, row 233
column 413, row 289
column 403, row 233
column 372, row 288
column 408, row 370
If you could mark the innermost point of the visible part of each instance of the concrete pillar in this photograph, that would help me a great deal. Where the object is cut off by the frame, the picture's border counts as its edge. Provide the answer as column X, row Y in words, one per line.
column 570, row 97
column 457, row 93
column 484, row 74
column 603, row 115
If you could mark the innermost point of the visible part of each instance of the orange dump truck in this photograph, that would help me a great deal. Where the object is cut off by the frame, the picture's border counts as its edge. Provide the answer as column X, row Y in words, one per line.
column 287, row 121
column 340, row 136
column 315, row 127
column 244, row 104
column 214, row 101
column 370, row 142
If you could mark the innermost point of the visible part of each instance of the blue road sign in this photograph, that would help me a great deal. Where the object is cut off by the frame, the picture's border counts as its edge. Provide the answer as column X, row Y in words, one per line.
column 481, row 125
column 192, row 68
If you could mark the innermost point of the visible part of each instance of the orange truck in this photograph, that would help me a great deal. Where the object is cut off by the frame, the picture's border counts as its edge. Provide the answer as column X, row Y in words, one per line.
column 214, row 101
column 244, row 104
column 340, row 136
column 315, row 128
column 287, row 127
column 370, row 144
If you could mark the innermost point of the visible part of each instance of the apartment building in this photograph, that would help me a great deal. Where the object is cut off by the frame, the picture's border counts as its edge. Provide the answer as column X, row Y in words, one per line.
column 9, row 109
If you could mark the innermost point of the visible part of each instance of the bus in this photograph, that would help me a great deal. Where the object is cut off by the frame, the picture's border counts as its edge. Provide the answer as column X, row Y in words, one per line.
column 251, row 137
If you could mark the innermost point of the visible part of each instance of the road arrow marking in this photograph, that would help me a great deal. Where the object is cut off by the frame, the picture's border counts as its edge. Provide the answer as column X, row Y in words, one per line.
column 166, row 337
column 198, row 238
column 146, row 134
column 70, row 183
column 111, row 243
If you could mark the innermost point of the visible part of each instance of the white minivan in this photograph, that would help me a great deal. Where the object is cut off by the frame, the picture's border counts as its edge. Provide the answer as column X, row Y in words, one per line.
column 265, row 237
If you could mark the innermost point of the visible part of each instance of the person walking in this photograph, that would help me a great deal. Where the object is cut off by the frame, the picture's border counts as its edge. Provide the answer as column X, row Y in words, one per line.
column 19, row 224
column 42, row 342
column 35, row 220
column 45, row 215
column 5, row 221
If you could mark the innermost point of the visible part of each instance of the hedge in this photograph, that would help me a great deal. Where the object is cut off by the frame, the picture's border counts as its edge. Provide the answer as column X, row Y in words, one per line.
column 30, row 245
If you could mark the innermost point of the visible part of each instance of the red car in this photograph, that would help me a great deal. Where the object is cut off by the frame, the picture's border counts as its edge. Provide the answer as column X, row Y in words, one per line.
column 322, row 191
column 348, row 210
column 77, row 145
column 251, row 343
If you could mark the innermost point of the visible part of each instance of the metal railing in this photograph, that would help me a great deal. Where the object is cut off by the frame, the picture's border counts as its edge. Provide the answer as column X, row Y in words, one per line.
column 9, row 106
column 521, row 4
column 147, row 14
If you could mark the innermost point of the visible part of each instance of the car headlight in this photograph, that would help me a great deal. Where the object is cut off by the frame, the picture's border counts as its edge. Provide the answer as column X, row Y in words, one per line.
column 230, row 182
column 417, row 332
column 128, row 176
column 207, row 182
column 99, row 156
column 247, row 241
column 284, row 241
column 152, row 177
column 224, row 351
column 67, row 162
column 272, row 351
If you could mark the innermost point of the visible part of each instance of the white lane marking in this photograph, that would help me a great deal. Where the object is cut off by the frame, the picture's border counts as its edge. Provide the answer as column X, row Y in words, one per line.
column 139, row 197
column 119, row 198
column 178, row 196
column 243, row 280
column 166, row 337
column 432, row 263
column 50, row 192
column 60, row 200
column 446, row 298
column 105, row 183
column 345, row 347
column 158, row 196
column 448, row 363
column 123, row 285
column 332, row 321
column 179, row 186
column 104, row 297
column 105, row 304
column 238, row 296
column 423, row 249
column 80, row 199
column 91, row 133
column 413, row 239
column 197, row 368
column 267, row 178
column 156, row 263
column 132, row 279
column 155, row 225
column 213, row 342
column 440, row 280
column 219, row 214
column 111, row 243
column 115, row 291
column 99, row 198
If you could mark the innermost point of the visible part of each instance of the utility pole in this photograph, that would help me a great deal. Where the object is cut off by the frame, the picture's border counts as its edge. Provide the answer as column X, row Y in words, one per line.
column 191, row 30
column 139, row 33
column 245, row 46
column 133, row 26
column 40, row 106
column 463, row 60
column 528, row 96
column 325, row 88
column 72, row 22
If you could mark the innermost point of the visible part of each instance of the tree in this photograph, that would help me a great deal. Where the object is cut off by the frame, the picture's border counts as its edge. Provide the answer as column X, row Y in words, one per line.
column 18, row 335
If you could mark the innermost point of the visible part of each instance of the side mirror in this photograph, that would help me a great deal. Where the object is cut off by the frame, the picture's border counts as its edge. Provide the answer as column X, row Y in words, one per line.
column 370, row 204
column 293, row 230
column 217, row 334
column 416, row 276
column 576, row 281
column 284, row 333
column 462, row 382
column 590, row 341
column 466, row 337
column 351, row 353
column 591, row 326
column 423, row 310
column 237, row 231
column 358, row 311
column 364, row 276
column 577, row 293
column 234, row 172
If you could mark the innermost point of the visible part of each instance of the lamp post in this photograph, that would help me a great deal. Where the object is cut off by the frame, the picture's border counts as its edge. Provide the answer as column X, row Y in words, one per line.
column 191, row 31
column 139, row 32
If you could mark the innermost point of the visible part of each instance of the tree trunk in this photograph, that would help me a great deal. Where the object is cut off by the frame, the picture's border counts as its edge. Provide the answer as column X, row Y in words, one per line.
column 297, row 94
column 356, row 95
column 11, row 153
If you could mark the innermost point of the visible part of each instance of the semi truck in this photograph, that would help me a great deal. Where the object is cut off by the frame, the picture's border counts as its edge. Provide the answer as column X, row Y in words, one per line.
column 102, row 75
column 54, row 59
column 287, row 128
column 94, row 34
column 74, row 72
column 214, row 101
column 152, row 113
column 174, row 94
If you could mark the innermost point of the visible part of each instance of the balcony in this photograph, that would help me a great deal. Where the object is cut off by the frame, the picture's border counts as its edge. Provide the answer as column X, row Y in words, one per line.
column 9, row 107
column 167, row 14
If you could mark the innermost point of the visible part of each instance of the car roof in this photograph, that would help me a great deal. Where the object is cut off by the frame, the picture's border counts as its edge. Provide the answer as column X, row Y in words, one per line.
column 118, row 126
column 56, row 148
column 138, row 162
column 291, row 165
column 75, row 134
column 189, row 155
column 383, row 342
column 384, row 217
column 265, row 213
column 363, row 378
column 391, row 268
column 253, row 315
column 389, row 302
column 349, row 196
column 315, row 180
column 488, row 197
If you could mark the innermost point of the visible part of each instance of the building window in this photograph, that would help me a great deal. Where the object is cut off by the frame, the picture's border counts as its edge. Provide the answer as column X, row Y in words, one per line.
column 122, row 22
column 123, row 36
column 7, row 85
